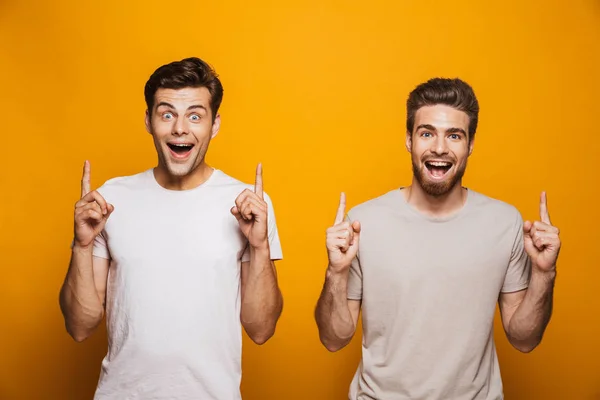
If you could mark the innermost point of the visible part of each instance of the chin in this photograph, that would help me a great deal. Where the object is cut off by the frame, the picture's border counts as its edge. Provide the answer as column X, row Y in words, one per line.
column 179, row 170
column 437, row 188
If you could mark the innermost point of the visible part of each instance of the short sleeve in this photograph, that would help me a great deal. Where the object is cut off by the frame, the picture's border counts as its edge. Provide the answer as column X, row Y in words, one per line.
column 355, row 280
column 100, row 247
column 274, row 244
column 519, row 267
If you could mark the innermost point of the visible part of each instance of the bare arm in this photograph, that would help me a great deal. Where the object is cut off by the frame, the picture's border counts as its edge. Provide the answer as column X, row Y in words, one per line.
column 526, row 314
column 262, row 302
column 336, row 316
column 83, row 292
column 261, row 298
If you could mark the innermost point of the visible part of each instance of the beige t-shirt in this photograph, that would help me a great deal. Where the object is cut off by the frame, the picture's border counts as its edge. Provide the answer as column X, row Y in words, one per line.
column 429, row 288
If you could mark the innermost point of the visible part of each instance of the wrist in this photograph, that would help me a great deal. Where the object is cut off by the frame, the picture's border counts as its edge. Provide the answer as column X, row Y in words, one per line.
column 337, row 272
column 546, row 274
column 84, row 249
column 261, row 249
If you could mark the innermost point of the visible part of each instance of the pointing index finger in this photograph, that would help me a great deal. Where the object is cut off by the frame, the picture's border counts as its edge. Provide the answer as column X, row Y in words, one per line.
column 258, row 184
column 85, row 179
column 544, row 216
column 339, row 218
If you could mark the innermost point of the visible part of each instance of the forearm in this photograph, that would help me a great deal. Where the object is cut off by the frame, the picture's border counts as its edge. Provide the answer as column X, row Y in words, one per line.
column 529, row 321
column 261, row 298
column 79, row 301
column 334, row 320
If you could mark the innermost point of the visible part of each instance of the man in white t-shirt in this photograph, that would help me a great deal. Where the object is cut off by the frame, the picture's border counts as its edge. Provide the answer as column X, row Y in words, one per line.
column 426, row 265
column 179, row 256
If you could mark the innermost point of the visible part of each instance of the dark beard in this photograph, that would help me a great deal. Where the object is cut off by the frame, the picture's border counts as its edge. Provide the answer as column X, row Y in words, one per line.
column 438, row 189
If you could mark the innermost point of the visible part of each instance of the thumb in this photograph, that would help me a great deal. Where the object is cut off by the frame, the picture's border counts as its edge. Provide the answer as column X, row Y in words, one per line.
column 109, row 208
column 527, row 240
column 356, row 236
column 236, row 213
column 356, row 227
column 527, row 225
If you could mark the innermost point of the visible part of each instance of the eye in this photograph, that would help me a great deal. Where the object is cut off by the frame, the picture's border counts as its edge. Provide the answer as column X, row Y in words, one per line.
column 167, row 115
column 426, row 134
column 195, row 117
column 454, row 136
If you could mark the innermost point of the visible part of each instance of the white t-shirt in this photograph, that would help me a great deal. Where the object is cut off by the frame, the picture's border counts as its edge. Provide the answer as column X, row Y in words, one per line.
column 173, row 296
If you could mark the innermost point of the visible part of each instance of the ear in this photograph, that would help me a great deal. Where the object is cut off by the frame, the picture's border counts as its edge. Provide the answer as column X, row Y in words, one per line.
column 147, row 122
column 408, row 141
column 216, row 126
column 471, row 144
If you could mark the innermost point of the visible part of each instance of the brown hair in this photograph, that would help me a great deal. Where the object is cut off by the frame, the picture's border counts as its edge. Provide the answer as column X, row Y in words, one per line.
column 189, row 72
column 451, row 92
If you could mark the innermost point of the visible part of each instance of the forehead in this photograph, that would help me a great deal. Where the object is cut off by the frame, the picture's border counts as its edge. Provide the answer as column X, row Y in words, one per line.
column 184, row 97
column 442, row 116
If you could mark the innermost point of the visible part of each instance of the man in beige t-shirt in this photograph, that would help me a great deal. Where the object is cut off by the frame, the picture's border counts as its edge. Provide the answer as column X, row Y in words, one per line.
column 427, row 263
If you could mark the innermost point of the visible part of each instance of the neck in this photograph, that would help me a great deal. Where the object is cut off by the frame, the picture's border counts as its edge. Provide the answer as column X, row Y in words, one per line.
column 195, row 178
column 436, row 206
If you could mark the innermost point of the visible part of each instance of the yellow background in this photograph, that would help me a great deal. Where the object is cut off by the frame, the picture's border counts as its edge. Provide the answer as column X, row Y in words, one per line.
column 315, row 90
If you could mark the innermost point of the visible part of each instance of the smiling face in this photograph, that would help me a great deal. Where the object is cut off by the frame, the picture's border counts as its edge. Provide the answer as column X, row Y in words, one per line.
column 439, row 147
column 182, row 126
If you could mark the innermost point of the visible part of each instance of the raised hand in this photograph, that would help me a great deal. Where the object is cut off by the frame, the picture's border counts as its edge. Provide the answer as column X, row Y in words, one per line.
column 342, row 239
column 91, row 212
column 542, row 242
column 251, row 212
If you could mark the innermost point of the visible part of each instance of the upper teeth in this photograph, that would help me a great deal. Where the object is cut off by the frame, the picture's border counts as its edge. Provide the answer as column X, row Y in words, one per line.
column 180, row 144
column 439, row 163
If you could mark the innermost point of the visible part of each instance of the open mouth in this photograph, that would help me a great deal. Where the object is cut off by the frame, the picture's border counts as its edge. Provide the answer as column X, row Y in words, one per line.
column 438, row 169
column 180, row 150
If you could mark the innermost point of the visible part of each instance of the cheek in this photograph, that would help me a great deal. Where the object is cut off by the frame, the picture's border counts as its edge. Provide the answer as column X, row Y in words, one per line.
column 161, row 129
column 202, row 132
column 418, row 150
column 460, row 151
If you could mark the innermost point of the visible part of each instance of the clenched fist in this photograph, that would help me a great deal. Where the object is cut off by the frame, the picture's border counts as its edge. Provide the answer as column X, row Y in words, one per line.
column 91, row 212
column 542, row 242
column 251, row 212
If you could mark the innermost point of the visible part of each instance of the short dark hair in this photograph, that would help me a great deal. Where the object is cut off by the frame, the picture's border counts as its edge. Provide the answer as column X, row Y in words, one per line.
column 451, row 92
column 189, row 72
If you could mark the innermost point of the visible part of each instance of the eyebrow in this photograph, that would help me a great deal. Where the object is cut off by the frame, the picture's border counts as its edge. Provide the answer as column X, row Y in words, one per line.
column 449, row 130
column 455, row 130
column 192, row 107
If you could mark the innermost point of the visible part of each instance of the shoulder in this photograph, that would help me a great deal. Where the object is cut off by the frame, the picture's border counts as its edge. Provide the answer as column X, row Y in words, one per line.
column 498, row 210
column 377, row 205
column 223, row 181
column 125, row 183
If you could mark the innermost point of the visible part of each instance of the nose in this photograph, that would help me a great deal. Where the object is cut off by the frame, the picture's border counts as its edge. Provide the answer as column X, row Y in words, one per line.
column 439, row 145
column 179, row 127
